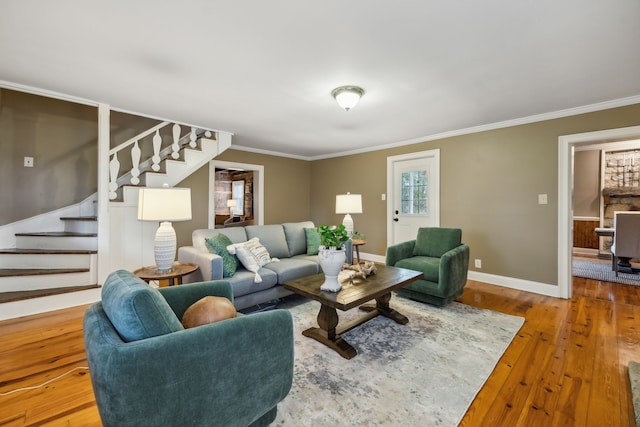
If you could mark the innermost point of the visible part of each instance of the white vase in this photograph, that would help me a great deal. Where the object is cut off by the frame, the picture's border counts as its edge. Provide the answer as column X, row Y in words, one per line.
column 331, row 261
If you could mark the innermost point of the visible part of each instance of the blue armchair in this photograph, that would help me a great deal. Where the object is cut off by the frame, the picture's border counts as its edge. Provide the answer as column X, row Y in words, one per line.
column 146, row 369
column 439, row 254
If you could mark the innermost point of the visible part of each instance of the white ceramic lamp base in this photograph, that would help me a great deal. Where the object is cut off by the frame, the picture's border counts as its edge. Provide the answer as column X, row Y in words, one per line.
column 164, row 247
column 347, row 221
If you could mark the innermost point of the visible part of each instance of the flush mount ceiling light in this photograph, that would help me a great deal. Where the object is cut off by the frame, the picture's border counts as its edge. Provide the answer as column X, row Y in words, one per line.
column 347, row 96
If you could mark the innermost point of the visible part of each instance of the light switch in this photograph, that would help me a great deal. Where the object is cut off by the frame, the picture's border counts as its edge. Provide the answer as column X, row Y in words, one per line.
column 28, row 162
column 542, row 199
column 383, row 197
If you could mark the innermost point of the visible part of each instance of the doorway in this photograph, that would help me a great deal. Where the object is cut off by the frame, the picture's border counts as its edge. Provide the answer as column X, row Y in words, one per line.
column 566, row 146
column 413, row 190
column 257, row 189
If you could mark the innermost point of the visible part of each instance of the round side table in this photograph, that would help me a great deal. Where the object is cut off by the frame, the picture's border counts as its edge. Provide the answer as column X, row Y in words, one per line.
column 356, row 244
column 179, row 270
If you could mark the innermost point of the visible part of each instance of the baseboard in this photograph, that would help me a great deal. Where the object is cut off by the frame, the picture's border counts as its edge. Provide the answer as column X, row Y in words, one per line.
column 492, row 279
column 585, row 251
column 372, row 257
column 519, row 284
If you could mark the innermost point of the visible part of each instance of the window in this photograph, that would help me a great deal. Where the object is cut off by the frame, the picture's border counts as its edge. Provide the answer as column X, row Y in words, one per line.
column 414, row 198
column 237, row 194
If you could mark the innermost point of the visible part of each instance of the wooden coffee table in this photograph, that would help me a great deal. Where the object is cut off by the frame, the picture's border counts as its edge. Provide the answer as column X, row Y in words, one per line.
column 354, row 293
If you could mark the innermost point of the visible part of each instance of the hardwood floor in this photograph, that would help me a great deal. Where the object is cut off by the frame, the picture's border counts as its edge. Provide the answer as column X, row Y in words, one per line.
column 566, row 366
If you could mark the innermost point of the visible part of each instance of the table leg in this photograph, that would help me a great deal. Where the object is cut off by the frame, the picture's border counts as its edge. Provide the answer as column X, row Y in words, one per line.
column 383, row 308
column 326, row 333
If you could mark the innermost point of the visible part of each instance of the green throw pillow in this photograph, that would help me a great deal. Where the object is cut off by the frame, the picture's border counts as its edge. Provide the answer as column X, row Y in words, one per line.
column 218, row 245
column 313, row 240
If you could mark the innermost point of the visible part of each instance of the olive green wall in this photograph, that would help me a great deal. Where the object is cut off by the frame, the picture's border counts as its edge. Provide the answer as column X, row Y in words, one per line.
column 286, row 191
column 490, row 183
column 62, row 137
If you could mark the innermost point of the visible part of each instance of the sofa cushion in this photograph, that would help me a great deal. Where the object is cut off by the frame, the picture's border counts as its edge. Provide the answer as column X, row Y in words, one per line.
column 218, row 245
column 235, row 234
column 312, row 258
column 313, row 241
column 243, row 281
column 272, row 237
column 436, row 241
column 293, row 268
column 296, row 237
column 136, row 310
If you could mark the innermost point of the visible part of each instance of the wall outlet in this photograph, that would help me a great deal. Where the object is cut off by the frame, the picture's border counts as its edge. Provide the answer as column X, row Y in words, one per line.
column 478, row 263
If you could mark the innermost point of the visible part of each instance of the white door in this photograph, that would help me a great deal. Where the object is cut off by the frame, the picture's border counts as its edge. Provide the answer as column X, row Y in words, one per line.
column 413, row 188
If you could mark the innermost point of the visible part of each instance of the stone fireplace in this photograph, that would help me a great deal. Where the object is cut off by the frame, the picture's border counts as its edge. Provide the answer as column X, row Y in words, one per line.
column 621, row 189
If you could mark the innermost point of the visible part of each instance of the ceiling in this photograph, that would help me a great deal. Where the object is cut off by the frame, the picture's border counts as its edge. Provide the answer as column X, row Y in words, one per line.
column 265, row 70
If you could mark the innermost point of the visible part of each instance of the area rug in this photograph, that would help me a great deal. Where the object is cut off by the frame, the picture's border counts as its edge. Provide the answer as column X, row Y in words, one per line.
column 634, row 380
column 600, row 270
column 424, row 373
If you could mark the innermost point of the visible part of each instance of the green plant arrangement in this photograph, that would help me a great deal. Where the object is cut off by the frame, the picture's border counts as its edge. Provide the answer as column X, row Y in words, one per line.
column 333, row 236
column 356, row 235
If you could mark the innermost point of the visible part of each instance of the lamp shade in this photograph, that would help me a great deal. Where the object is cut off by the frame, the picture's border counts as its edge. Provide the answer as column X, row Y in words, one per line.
column 348, row 203
column 164, row 204
column 231, row 203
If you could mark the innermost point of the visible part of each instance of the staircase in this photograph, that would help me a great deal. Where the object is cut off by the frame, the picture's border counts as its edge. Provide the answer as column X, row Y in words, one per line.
column 60, row 262
column 50, row 263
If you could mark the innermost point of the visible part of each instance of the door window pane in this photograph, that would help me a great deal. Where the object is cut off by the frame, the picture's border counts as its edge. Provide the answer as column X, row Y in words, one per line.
column 414, row 198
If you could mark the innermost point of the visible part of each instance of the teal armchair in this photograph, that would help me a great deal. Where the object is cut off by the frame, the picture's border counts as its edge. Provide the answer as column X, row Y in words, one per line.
column 442, row 258
column 147, row 370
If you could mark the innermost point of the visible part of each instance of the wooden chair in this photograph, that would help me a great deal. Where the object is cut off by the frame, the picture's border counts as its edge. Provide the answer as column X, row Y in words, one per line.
column 626, row 239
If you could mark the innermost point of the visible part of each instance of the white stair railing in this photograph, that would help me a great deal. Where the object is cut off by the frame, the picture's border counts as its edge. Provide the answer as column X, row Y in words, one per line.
column 133, row 145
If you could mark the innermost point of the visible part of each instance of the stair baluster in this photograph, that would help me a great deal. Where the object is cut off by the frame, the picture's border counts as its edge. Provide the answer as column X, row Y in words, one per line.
column 135, row 160
column 176, row 141
column 157, row 143
column 114, row 169
column 193, row 138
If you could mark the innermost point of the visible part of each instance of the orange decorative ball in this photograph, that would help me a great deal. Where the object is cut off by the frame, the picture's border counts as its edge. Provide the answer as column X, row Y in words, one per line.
column 208, row 310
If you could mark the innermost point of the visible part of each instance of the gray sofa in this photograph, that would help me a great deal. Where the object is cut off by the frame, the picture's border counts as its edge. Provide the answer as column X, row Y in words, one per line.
column 287, row 242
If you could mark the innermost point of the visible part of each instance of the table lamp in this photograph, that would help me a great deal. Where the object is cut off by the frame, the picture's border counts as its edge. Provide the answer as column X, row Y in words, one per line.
column 231, row 204
column 164, row 205
column 348, row 204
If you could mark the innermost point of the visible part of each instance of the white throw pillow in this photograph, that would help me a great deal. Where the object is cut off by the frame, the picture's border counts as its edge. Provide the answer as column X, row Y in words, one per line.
column 253, row 255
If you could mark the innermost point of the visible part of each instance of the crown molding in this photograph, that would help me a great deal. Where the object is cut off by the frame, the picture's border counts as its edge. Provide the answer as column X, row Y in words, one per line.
column 47, row 93
column 590, row 108
column 622, row 102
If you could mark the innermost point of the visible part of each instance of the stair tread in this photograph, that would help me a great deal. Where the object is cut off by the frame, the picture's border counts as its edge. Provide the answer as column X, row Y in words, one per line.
column 23, row 295
column 12, row 272
column 58, row 234
column 17, row 251
column 79, row 218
